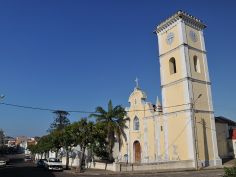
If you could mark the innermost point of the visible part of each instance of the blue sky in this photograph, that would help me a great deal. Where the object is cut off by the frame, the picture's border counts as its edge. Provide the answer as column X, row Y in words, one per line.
column 76, row 55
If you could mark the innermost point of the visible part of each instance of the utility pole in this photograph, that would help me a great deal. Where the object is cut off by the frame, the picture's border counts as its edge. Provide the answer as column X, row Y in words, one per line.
column 194, row 123
column 2, row 137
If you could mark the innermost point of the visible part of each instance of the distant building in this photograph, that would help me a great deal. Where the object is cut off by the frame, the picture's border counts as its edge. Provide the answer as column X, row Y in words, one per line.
column 30, row 141
column 10, row 141
column 23, row 142
column 2, row 136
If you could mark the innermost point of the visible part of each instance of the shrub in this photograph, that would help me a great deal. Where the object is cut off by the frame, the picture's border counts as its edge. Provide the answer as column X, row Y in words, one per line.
column 230, row 172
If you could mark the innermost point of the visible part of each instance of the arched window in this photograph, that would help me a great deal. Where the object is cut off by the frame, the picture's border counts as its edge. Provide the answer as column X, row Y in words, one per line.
column 136, row 123
column 172, row 64
column 196, row 64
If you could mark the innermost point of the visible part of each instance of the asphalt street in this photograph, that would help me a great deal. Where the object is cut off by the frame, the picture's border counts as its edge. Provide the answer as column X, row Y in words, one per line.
column 19, row 168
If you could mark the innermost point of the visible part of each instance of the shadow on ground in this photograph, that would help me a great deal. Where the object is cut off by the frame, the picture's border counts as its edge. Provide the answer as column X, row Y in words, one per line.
column 25, row 171
column 18, row 168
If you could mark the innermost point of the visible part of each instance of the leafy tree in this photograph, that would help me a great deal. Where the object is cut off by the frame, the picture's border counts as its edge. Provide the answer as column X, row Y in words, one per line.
column 83, row 135
column 44, row 145
column 114, row 120
column 57, row 140
column 67, row 141
column 33, row 149
column 54, row 141
column 60, row 121
column 99, row 145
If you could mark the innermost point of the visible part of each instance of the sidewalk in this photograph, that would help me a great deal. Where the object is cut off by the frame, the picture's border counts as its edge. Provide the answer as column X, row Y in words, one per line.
column 97, row 172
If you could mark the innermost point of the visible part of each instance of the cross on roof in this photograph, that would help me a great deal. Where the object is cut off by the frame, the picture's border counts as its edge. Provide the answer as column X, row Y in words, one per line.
column 136, row 80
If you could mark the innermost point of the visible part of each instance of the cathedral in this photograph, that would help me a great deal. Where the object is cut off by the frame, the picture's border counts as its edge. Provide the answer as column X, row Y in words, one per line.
column 181, row 131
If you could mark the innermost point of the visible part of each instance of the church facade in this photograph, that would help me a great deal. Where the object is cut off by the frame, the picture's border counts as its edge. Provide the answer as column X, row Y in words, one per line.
column 182, row 129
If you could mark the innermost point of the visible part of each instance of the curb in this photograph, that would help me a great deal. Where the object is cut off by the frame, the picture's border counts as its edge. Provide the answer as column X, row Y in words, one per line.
column 97, row 173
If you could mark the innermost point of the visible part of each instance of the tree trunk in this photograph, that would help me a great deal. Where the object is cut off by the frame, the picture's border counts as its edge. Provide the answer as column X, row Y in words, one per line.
column 111, row 145
column 110, row 137
column 110, row 153
column 67, row 158
column 81, row 160
column 57, row 153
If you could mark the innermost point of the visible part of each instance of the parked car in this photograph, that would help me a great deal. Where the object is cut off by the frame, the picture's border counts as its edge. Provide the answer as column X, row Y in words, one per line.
column 3, row 163
column 41, row 163
column 53, row 164
column 28, row 159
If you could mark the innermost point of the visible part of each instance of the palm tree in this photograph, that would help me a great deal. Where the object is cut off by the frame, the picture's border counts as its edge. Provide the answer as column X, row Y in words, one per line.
column 114, row 120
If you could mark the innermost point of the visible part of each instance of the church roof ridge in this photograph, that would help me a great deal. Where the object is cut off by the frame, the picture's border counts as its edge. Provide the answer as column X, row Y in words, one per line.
column 138, row 89
column 186, row 17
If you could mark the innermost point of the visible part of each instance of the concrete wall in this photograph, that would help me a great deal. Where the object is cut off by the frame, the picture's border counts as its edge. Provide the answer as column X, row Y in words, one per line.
column 224, row 144
column 73, row 162
column 221, row 130
column 104, row 166
column 234, row 148
column 142, row 167
column 158, row 166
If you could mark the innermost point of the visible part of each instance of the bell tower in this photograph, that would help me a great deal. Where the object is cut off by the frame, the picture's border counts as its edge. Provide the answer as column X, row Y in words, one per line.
column 189, row 124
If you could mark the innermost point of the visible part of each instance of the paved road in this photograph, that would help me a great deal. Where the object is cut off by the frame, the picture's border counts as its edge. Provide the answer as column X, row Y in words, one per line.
column 18, row 168
column 205, row 173
column 215, row 173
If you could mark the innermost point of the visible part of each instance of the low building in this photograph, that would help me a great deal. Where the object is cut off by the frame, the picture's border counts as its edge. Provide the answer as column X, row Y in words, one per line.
column 23, row 142
column 29, row 142
column 224, row 133
column 10, row 141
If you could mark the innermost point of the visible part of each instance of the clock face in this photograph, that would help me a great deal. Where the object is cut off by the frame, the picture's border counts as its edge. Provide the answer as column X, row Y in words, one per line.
column 193, row 36
column 170, row 38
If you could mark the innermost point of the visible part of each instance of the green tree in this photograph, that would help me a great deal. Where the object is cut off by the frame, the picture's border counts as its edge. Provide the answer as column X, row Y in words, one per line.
column 57, row 140
column 83, row 135
column 114, row 120
column 33, row 149
column 44, row 145
column 67, row 141
column 54, row 141
column 99, row 145
column 60, row 121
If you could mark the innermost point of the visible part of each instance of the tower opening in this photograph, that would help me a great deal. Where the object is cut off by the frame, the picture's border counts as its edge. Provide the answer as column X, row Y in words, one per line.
column 172, row 64
column 196, row 64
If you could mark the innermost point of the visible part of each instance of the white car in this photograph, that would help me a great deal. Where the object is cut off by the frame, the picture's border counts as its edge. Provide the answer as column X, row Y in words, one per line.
column 28, row 159
column 3, row 163
column 53, row 164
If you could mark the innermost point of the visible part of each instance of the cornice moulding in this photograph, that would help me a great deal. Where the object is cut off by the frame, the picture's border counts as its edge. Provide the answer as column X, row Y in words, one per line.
column 183, row 17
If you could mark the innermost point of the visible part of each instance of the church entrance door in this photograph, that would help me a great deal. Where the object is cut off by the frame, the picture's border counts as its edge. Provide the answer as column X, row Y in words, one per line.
column 137, row 152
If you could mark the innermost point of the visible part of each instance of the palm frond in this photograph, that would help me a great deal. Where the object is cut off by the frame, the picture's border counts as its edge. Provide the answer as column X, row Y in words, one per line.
column 110, row 107
column 100, row 110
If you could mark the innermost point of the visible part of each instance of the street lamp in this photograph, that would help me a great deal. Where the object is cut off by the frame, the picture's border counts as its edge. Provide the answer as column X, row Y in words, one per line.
column 195, row 129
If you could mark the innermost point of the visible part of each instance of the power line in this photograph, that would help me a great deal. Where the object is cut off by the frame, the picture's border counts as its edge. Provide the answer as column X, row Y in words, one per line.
column 42, row 109
column 76, row 111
